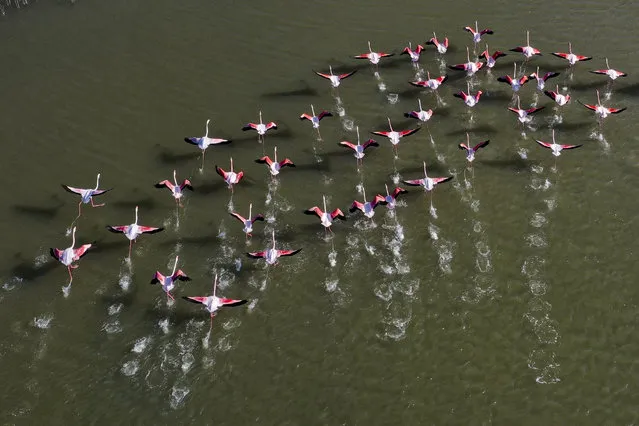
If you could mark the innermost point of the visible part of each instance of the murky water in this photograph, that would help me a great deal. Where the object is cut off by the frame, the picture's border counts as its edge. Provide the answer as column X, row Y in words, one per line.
column 506, row 296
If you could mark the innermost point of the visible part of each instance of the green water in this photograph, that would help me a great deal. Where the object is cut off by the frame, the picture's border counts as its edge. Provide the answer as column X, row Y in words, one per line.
column 512, row 301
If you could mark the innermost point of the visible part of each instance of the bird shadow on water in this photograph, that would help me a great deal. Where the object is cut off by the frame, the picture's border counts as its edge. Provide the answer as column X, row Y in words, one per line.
column 166, row 156
column 305, row 91
column 37, row 212
column 144, row 203
column 29, row 271
column 515, row 163
column 484, row 128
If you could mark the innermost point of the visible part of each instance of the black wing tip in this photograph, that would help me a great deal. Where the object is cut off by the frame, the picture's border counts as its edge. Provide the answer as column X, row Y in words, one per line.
column 155, row 231
column 190, row 300
column 238, row 303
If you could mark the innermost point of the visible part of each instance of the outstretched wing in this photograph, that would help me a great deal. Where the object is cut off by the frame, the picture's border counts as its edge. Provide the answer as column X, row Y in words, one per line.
column 149, row 229
column 56, row 253
column 238, row 217
column 118, row 229
column 196, row 299
column 481, row 145
column 414, row 182
column 73, row 190
column 348, row 145
column 409, row 132
column 288, row 252
column 591, row 107
column 346, row 75
column 232, row 302
column 257, row 254
column 158, row 278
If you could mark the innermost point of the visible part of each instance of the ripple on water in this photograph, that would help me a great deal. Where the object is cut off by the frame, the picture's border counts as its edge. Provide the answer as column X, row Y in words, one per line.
column 141, row 344
column 537, row 287
column 538, row 220
column 115, row 309
column 178, row 395
column 532, row 266
column 536, row 240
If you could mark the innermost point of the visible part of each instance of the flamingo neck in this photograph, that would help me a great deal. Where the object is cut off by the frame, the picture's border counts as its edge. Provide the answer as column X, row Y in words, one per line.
column 206, row 135
column 175, row 265
column 73, row 238
column 330, row 69
column 598, row 99
column 214, row 285
column 250, row 211
column 425, row 174
column 419, row 101
column 369, row 47
column 97, row 182
column 364, row 192
column 261, row 117
column 324, row 198
column 136, row 215
column 357, row 128
column 528, row 38
column 390, row 125
column 312, row 110
column 231, row 164
column 273, row 239
column 275, row 153
column 386, row 186
column 174, row 178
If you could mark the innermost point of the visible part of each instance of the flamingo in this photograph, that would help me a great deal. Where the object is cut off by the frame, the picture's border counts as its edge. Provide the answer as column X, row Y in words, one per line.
column 470, row 67
column 555, row 147
column 541, row 80
column 468, row 98
column 367, row 207
column 335, row 79
column 420, row 114
column 260, row 127
column 230, row 177
column 168, row 281
column 527, row 50
column 204, row 142
column 213, row 303
column 275, row 166
column 395, row 136
column 427, row 182
column 471, row 150
column 414, row 54
column 271, row 255
column 431, row 83
column 315, row 119
column 373, row 57
column 390, row 200
column 441, row 47
column 476, row 33
column 515, row 83
column 70, row 255
column 557, row 97
column 87, row 195
column 612, row 73
column 522, row 114
column 359, row 149
column 325, row 216
column 176, row 190
column 248, row 223
column 571, row 57
column 600, row 110
column 491, row 59
column 133, row 231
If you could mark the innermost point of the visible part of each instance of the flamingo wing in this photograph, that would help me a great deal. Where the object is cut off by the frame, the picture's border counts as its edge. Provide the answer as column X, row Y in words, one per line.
column 409, row 132
column 442, row 179
column 515, row 110
column 271, row 125
column 348, row 145
column 460, row 95
column 180, row 275
column 118, row 229
column 288, row 252
column 286, row 162
column 550, row 94
column 193, row 140
column 196, row 299
column 414, row 182
column 378, row 133
column 337, row 213
column 412, row 114
column 327, row 76
column 506, row 79
column 370, row 142
column 523, row 80
column 220, row 171
column 356, row 206
column 72, row 189
column 81, row 251
column 591, row 107
column 377, row 200
column 56, row 253
column 324, row 114
column 470, row 30
column 406, row 51
column 149, row 229
column 616, row 110
column 550, row 74
column 238, row 217
column 346, row 75
column 486, row 31
column 306, row 117
column 257, row 254
column 481, row 145
column 165, row 183
column 460, row 67
column 158, row 278
column 560, row 55
column 544, row 144
column 442, row 78
column 420, row 83
column 398, row 190
column 265, row 160
column 250, row 126
column 464, row 146
column 583, row 58
column 385, row 55
column 534, row 110
column 232, row 302
column 314, row 211
column 519, row 49
column 498, row 54
column 362, row 56
column 218, row 141
column 96, row 192
column 257, row 217
column 186, row 184
column 570, row 146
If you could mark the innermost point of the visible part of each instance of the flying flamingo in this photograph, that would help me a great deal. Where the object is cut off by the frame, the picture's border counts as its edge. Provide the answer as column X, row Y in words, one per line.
column 359, row 149
column 600, row 110
column 442, row 47
column 395, row 136
column 367, row 207
column 168, row 281
column 325, row 216
column 87, row 195
column 469, row 99
column 541, row 80
column 558, row 97
column 390, row 200
column 470, row 67
column 70, row 255
column 612, row 73
column 571, row 57
column 275, row 166
column 523, row 114
column 431, row 83
column 555, row 147
column 248, row 223
column 420, row 114
column 476, row 33
column 427, row 182
column 176, row 190
column 515, row 83
column 213, row 303
column 471, row 150
column 373, row 57
column 204, row 142
column 527, row 50
column 230, row 177
column 491, row 59
column 133, row 231
column 315, row 119
column 260, row 127
column 414, row 54
column 335, row 79
column 271, row 255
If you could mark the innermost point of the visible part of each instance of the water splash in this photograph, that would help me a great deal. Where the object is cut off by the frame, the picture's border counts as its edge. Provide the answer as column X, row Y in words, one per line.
column 43, row 322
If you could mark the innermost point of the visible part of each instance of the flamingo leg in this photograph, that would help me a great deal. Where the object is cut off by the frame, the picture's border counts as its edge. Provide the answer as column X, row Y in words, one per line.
column 130, row 247
column 169, row 295
column 202, row 168
column 70, row 274
column 96, row 205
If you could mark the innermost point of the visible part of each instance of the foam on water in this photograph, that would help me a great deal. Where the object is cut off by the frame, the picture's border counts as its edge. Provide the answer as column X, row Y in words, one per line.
column 43, row 321
column 141, row 344
column 164, row 325
column 12, row 283
column 129, row 368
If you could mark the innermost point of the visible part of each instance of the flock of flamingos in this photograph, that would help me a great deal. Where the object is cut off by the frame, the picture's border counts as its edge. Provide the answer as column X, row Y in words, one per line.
column 212, row 303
